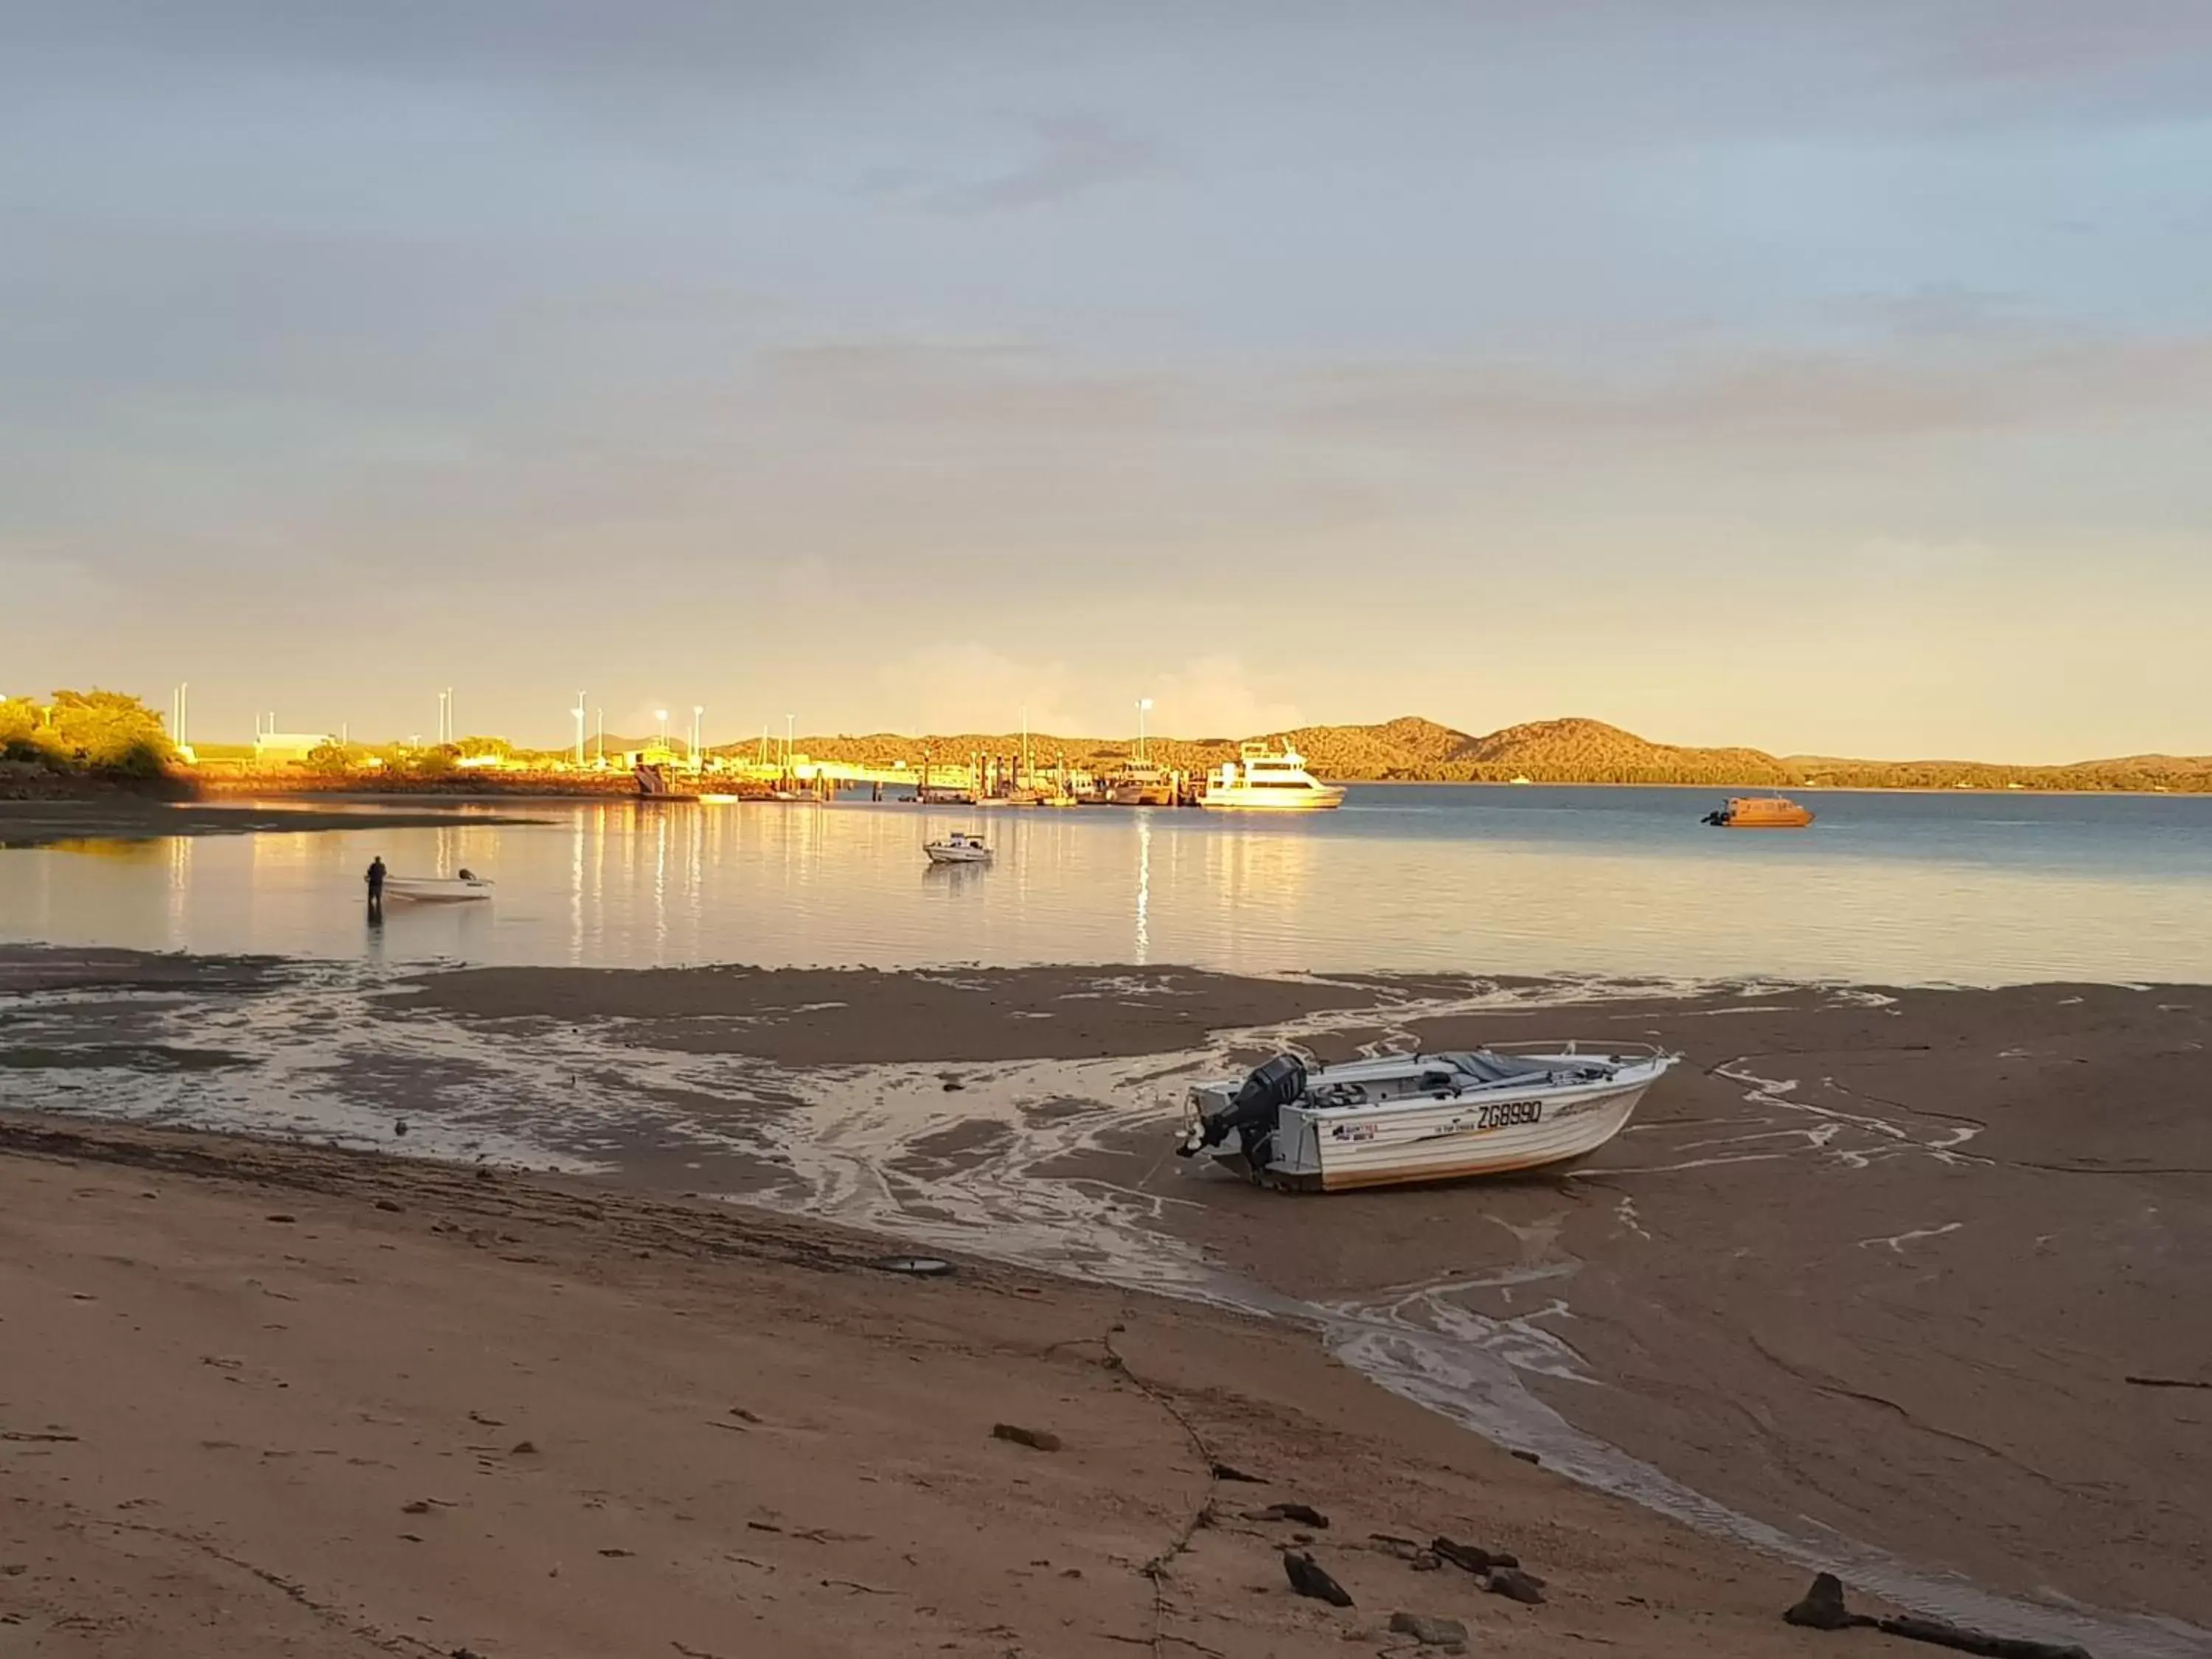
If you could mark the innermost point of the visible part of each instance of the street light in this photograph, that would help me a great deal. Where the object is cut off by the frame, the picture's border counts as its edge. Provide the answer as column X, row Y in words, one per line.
column 1144, row 708
column 578, row 711
column 697, row 710
column 661, row 714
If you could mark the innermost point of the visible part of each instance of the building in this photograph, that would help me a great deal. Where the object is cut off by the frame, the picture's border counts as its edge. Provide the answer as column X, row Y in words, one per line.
column 282, row 748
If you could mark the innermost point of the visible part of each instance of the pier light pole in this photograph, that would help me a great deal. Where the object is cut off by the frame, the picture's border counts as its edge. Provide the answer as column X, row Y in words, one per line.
column 698, row 711
column 1144, row 708
column 661, row 714
column 578, row 712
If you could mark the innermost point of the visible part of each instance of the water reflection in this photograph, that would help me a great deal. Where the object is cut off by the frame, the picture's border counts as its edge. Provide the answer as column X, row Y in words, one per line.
column 1592, row 881
column 1143, row 945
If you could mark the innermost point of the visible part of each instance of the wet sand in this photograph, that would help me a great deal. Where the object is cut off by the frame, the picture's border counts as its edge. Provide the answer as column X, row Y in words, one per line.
column 130, row 817
column 1869, row 1266
column 859, row 1016
column 1879, row 1267
column 270, row 1400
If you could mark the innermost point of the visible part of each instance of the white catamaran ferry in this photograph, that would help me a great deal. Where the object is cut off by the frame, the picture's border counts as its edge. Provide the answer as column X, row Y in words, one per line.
column 1272, row 780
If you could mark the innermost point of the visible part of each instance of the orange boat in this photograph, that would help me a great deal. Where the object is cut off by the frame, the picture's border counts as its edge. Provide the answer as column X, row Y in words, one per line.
column 1760, row 812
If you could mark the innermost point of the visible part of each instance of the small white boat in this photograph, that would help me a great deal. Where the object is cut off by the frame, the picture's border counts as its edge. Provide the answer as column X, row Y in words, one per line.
column 438, row 889
column 1269, row 780
column 1420, row 1117
column 961, row 846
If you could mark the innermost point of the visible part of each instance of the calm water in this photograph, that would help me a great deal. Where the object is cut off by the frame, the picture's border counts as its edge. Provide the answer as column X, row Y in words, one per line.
column 1974, row 888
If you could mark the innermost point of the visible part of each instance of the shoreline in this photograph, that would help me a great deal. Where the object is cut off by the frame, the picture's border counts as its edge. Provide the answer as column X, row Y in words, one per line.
column 980, row 1126
column 26, row 824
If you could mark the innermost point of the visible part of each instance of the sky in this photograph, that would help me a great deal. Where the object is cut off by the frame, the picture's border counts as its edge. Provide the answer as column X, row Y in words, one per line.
column 1832, row 378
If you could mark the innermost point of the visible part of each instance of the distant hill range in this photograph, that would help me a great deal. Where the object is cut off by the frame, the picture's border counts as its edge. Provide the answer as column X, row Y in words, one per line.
column 1412, row 750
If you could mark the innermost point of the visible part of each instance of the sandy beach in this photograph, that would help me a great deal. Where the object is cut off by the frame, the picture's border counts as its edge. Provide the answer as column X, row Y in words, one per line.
column 275, row 1400
column 1872, row 1271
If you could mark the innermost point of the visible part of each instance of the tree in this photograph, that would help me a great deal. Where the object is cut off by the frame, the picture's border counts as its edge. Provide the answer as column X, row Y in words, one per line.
column 109, row 731
column 334, row 759
column 23, row 735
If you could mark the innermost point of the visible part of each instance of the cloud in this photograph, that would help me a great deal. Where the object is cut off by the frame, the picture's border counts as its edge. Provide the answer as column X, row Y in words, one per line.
column 1783, row 396
column 1943, row 311
column 968, row 686
column 1215, row 696
column 1006, row 388
column 971, row 687
column 1074, row 156
column 576, row 47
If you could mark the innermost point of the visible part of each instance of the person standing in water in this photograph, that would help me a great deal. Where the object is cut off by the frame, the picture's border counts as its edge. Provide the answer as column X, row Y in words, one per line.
column 375, row 880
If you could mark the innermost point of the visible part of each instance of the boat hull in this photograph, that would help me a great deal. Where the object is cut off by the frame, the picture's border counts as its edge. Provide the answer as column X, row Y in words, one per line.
column 1443, row 1142
column 1761, row 813
column 1322, row 799
column 424, row 889
column 957, row 855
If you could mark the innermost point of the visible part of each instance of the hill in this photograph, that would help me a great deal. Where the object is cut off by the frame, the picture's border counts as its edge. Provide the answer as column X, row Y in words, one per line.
column 1411, row 750
column 1590, row 752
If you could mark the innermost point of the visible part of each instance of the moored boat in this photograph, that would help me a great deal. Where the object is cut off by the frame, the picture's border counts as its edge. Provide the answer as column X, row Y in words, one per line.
column 1408, row 1118
column 1760, row 813
column 1140, row 783
column 961, row 846
column 1268, row 779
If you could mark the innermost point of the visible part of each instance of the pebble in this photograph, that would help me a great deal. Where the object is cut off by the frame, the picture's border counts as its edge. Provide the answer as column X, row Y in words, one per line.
column 1447, row 1633
column 1514, row 1584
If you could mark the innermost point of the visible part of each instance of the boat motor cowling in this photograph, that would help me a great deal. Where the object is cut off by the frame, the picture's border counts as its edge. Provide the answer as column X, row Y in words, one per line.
column 1252, row 1114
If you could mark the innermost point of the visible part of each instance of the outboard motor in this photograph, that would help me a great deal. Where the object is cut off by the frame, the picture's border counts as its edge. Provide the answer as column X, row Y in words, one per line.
column 1252, row 1115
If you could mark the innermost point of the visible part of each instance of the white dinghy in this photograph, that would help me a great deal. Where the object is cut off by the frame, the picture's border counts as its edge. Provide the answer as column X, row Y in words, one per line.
column 438, row 889
column 961, row 846
column 1420, row 1117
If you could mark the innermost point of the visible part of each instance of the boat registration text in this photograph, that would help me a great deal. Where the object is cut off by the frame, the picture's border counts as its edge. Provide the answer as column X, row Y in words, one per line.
column 1502, row 1113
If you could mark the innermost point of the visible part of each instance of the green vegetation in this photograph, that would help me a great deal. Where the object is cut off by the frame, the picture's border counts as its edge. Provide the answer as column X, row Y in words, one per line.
column 332, row 758
column 85, row 733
